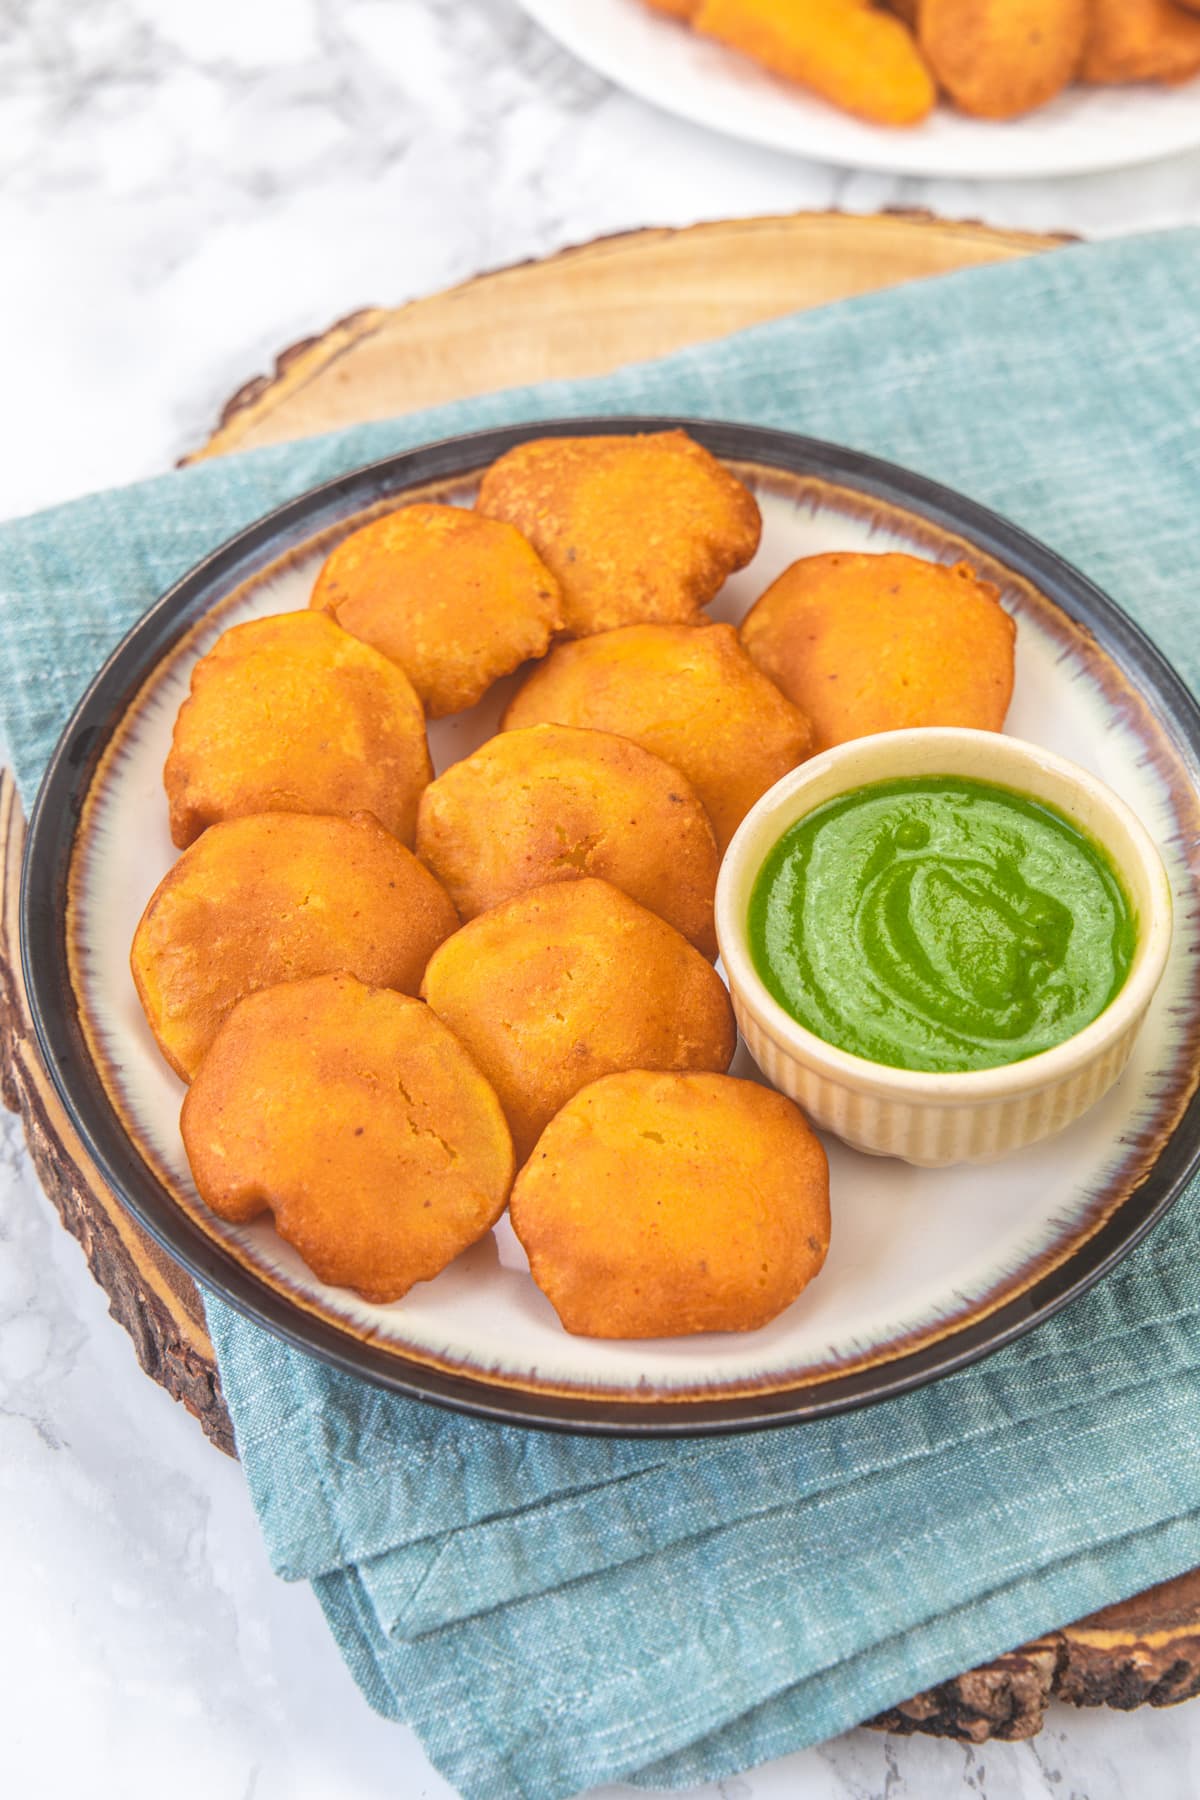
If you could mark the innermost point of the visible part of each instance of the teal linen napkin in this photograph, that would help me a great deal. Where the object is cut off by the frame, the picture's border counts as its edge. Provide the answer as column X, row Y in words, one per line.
column 550, row 1612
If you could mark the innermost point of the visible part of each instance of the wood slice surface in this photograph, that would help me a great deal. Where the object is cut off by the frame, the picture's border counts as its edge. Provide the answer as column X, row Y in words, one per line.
column 590, row 310
column 582, row 312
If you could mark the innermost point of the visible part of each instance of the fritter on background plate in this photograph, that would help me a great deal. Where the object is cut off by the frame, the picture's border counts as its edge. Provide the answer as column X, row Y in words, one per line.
column 1140, row 40
column 847, row 51
column 998, row 59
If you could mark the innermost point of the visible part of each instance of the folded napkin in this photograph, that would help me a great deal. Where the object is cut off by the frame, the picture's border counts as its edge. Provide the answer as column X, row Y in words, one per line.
column 548, row 1611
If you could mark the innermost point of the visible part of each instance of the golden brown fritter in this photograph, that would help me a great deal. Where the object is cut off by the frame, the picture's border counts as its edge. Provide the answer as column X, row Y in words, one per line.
column 848, row 52
column 356, row 1118
column 656, row 1205
column 876, row 643
column 568, row 982
column 275, row 897
column 292, row 714
column 456, row 599
column 634, row 528
column 1140, row 40
column 998, row 59
column 691, row 696
column 553, row 803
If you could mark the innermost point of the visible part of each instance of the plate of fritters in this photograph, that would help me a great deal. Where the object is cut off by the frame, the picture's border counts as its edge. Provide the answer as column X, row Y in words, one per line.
column 368, row 923
column 987, row 89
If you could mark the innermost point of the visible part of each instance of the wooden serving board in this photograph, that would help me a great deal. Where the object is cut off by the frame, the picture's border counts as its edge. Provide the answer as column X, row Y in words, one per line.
column 582, row 312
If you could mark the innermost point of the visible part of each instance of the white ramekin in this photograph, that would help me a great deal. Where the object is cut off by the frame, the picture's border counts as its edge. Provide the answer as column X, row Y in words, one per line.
column 933, row 1119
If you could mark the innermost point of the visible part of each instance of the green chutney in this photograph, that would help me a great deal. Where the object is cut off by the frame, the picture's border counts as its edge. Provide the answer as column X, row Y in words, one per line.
column 941, row 924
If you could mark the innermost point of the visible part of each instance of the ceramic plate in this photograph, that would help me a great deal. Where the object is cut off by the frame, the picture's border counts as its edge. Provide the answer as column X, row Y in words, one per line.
column 664, row 62
column 928, row 1269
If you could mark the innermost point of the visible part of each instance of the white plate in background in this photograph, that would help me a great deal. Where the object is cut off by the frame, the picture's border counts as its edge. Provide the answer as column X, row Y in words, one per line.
column 661, row 60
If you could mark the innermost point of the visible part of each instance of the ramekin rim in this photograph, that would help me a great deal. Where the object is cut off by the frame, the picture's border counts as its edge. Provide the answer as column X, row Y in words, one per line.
column 969, row 1086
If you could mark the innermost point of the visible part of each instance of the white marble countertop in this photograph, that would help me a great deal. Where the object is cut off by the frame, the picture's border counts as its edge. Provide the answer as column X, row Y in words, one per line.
column 185, row 189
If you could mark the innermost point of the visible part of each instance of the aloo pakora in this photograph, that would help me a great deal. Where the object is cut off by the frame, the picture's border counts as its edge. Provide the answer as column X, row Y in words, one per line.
column 1140, row 40
column 635, row 528
column 456, row 599
column 277, row 897
column 656, row 1205
column 998, row 59
column 569, row 982
column 877, row 643
column 356, row 1118
column 553, row 803
column 690, row 695
column 847, row 51
column 292, row 714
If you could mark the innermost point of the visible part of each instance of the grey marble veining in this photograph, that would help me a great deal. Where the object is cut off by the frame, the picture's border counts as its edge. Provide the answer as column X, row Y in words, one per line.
column 184, row 189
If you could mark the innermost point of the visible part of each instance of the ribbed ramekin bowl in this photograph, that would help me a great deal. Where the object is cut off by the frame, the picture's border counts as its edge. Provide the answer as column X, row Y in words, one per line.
column 934, row 1119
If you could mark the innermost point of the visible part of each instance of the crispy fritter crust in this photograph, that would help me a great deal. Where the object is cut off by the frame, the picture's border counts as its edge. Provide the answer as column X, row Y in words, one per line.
column 569, row 982
column 635, row 528
column 877, row 643
column 455, row 599
column 292, row 714
column 998, row 59
column 553, row 803
column 1140, row 40
column 691, row 696
column 861, row 59
column 356, row 1118
column 658, row 1205
column 276, row 897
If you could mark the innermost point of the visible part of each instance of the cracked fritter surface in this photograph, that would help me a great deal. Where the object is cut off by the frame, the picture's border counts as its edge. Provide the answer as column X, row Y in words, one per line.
column 455, row 599
column 569, row 982
column 634, row 527
column 691, row 696
column 552, row 803
column 292, row 714
column 656, row 1205
column 356, row 1118
column 879, row 643
column 277, row 897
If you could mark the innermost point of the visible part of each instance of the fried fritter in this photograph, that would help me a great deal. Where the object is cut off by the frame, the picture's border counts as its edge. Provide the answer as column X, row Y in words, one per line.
column 861, row 59
column 998, row 59
column 569, row 982
column 876, row 643
column 657, row 1205
column 1140, row 40
column 292, row 714
column 553, row 803
column 275, row 897
column 635, row 528
column 456, row 599
column 356, row 1118
column 691, row 696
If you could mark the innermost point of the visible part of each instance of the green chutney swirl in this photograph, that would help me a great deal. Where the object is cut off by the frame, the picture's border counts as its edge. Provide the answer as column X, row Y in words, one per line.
column 941, row 924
